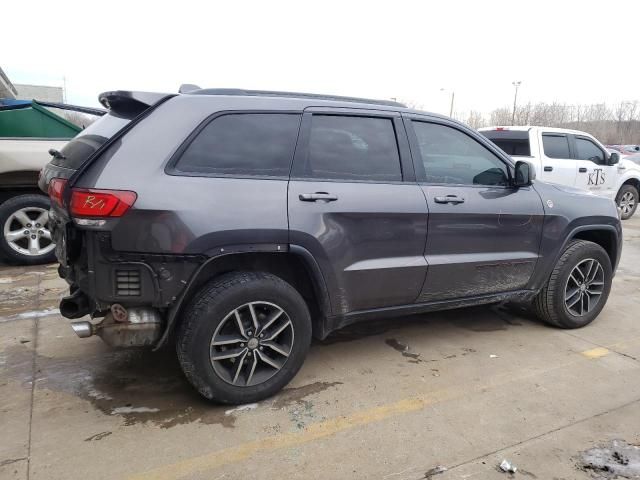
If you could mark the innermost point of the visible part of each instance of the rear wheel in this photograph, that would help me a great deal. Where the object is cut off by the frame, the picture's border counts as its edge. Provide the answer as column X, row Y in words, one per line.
column 578, row 287
column 26, row 238
column 243, row 337
column 627, row 201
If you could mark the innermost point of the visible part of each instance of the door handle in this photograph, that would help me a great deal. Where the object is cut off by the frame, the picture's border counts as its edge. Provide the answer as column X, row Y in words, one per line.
column 455, row 199
column 548, row 169
column 314, row 197
column 582, row 170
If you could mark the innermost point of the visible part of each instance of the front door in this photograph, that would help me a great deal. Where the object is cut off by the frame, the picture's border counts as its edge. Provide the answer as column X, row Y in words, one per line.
column 594, row 173
column 484, row 234
column 355, row 206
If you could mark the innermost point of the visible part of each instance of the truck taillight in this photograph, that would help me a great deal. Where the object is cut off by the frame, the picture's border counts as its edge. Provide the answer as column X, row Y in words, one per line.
column 100, row 203
column 56, row 190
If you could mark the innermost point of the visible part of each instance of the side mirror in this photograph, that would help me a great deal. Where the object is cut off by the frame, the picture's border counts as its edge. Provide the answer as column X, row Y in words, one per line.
column 614, row 158
column 524, row 175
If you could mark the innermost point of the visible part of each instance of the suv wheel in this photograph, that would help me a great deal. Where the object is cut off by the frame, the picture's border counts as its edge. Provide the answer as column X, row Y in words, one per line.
column 26, row 238
column 627, row 201
column 578, row 287
column 243, row 337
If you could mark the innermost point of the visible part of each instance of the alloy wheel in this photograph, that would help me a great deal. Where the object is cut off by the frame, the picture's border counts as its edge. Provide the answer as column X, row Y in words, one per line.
column 252, row 343
column 627, row 202
column 584, row 287
column 27, row 231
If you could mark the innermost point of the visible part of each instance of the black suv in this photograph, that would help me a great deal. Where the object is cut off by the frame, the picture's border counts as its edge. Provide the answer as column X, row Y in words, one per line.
column 238, row 224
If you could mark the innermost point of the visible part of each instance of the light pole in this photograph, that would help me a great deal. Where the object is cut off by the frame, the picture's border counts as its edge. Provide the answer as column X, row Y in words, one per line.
column 453, row 96
column 516, row 84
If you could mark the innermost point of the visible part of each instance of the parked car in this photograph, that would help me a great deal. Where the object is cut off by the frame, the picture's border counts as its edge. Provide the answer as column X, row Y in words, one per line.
column 625, row 149
column 28, row 131
column 238, row 224
column 573, row 158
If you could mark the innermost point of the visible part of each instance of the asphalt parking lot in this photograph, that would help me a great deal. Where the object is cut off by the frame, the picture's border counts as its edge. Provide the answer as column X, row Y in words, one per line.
column 400, row 399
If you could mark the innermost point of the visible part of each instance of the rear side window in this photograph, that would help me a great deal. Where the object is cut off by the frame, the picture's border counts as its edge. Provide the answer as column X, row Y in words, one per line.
column 513, row 142
column 253, row 144
column 555, row 146
column 587, row 150
column 81, row 147
column 514, row 147
column 453, row 157
column 352, row 148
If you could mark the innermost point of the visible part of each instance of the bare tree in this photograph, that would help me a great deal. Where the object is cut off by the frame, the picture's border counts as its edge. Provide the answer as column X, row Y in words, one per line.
column 618, row 124
column 80, row 119
column 476, row 120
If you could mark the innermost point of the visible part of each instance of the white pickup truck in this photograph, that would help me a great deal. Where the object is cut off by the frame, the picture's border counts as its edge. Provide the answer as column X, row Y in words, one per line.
column 571, row 157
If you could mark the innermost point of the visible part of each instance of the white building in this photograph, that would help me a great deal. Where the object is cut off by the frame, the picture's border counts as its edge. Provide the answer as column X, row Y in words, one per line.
column 7, row 89
column 39, row 92
column 16, row 91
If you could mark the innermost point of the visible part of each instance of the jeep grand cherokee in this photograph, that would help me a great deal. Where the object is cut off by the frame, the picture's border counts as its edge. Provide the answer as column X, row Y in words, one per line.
column 237, row 224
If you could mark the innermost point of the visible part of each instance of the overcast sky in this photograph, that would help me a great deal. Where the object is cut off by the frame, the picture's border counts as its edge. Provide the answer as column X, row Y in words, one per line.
column 571, row 52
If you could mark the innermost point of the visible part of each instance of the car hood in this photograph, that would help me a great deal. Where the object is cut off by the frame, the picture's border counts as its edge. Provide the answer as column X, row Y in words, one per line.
column 572, row 190
column 631, row 162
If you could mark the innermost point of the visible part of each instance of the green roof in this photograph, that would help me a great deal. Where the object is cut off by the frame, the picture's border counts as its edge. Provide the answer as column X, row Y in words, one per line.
column 33, row 120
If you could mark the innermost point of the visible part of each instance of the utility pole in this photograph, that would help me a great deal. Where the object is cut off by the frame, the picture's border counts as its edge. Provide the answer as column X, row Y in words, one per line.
column 453, row 96
column 515, row 83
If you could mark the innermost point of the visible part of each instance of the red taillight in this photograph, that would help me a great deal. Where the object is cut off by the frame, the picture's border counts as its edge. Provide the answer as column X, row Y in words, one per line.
column 56, row 190
column 100, row 203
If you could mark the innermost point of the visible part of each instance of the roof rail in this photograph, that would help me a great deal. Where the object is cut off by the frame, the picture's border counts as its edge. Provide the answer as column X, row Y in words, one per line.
column 269, row 93
column 188, row 88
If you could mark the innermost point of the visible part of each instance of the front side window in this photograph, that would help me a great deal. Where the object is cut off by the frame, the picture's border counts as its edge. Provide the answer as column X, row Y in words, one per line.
column 352, row 148
column 452, row 157
column 243, row 144
column 556, row 146
column 587, row 150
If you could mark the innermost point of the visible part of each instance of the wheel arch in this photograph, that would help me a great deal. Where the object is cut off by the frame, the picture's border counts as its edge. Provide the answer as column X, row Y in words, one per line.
column 296, row 266
column 633, row 181
column 605, row 236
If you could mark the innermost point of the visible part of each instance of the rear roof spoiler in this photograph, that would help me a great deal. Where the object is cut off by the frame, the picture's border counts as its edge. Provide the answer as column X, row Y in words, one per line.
column 128, row 103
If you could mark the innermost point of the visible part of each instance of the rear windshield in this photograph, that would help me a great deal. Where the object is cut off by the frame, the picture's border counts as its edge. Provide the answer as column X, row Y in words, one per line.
column 89, row 140
column 513, row 142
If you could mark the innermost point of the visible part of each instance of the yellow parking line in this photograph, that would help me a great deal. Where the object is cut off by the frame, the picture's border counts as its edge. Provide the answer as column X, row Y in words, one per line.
column 330, row 427
column 308, row 434
column 596, row 352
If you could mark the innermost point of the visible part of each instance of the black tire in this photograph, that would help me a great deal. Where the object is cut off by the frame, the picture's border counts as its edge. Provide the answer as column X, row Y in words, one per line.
column 7, row 209
column 627, row 212
column 550, row 305
column 207, row 310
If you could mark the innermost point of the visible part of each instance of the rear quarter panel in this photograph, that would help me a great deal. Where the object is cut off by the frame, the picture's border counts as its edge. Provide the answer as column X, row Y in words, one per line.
column 182, row 214
column 26, row 154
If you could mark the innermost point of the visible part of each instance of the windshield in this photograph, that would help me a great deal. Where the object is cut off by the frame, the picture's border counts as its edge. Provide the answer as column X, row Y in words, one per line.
column 89, row 140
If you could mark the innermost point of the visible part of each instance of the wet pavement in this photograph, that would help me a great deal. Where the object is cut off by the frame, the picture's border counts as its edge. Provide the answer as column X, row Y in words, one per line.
column 447, row 396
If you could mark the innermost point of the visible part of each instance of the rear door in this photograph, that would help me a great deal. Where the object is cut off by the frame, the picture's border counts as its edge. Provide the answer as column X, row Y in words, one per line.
column 558, row 165
column 355, row 206
column 594, row 173
column 484, row 234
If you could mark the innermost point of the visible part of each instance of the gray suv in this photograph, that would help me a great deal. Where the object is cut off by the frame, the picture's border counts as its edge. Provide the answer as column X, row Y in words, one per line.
column 238, row 224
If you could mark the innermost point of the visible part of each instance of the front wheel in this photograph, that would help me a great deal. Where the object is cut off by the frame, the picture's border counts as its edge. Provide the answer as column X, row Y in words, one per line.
column 243, row 337
column 627, row 201
column 26, row 238
column 578, row 287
